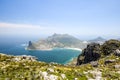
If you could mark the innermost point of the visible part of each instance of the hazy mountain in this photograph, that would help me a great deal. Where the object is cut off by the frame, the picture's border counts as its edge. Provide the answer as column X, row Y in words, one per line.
column 98, row 40
column 118, row 39
column 57, row 41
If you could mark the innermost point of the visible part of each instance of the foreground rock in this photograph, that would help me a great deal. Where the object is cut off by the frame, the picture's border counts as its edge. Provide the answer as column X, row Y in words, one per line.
column 94, row 63
column 117, row 66
column 109, row 61
column 117, row 52
column 91, row 53
column 94, row 51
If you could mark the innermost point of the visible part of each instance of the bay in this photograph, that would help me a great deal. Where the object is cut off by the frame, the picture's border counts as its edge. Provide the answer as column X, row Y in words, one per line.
column 57, row 55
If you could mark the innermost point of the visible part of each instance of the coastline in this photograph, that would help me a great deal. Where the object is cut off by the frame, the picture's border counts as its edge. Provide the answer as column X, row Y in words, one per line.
column 39, row 49
column 78, row 49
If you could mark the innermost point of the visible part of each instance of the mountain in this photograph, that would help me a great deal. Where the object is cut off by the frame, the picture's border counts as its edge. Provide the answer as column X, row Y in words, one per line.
column 118, row 39
column 98, row 40
column 57, row 41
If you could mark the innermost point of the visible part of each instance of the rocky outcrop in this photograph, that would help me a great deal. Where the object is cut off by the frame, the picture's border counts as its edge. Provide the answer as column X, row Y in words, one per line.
column 91, row 53
column 31, row 45
column 110, row 46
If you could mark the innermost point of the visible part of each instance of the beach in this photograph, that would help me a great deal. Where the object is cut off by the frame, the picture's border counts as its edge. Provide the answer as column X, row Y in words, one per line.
column 74, row 49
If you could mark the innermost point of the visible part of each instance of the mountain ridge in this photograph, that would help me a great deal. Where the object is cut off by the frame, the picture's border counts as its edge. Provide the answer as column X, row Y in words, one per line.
column 97, row 40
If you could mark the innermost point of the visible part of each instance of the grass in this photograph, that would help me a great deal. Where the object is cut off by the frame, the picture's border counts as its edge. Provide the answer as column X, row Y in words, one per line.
column 30, row 70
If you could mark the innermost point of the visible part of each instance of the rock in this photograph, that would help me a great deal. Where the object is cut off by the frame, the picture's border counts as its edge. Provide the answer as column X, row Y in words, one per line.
column 31, row 46
column 110, row 46
column 43, row 73
column 50, row 69
column 47, row 76
column 75, row 78
column 30, row 43
column 53, row 77
column 63, row 76
column 96, row 74
column 117, row 66
column 94, row 63
column 109, row 61
column 16, row 59
column 28, row 57
column 91, row 53
column 117, row 52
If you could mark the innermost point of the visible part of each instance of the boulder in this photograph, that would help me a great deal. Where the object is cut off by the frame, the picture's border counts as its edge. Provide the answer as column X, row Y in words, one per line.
column 94, row 63
column 117, row 66
column 117, row 52
column 91, row 53
column 109, row 61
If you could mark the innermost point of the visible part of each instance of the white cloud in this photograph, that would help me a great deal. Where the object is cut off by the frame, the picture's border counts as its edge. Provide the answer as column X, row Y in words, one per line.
column 37, row 30
column 12, row 25
column 21, row 29
column 30, row 30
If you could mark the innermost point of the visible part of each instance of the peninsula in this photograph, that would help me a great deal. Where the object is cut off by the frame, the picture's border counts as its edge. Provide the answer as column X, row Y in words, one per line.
column 57, row 41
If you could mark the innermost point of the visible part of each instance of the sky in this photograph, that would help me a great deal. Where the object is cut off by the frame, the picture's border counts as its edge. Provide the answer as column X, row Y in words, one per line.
column 85, row 19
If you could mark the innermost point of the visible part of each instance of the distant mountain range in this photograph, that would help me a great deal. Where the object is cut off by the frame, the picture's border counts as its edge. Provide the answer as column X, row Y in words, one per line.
column 118, row 39
column 57, row 41
column 97, row 40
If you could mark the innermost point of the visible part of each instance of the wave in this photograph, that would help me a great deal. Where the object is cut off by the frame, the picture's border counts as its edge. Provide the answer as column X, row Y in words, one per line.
column 24, row 45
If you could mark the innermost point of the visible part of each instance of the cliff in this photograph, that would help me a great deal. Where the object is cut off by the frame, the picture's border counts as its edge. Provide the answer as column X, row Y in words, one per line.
column 94, row 51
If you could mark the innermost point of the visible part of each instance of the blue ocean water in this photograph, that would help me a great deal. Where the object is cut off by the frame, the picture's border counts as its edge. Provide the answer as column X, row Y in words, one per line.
column 61, row 56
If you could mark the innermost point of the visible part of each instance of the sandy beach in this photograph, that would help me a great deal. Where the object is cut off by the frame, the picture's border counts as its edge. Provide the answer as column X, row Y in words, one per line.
column 74, row 49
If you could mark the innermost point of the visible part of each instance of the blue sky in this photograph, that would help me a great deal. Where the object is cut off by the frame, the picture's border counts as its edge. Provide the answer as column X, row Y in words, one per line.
column 81, row 18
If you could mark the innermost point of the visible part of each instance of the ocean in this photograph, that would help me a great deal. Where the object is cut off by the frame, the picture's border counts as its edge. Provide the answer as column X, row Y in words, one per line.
column 57, row 55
